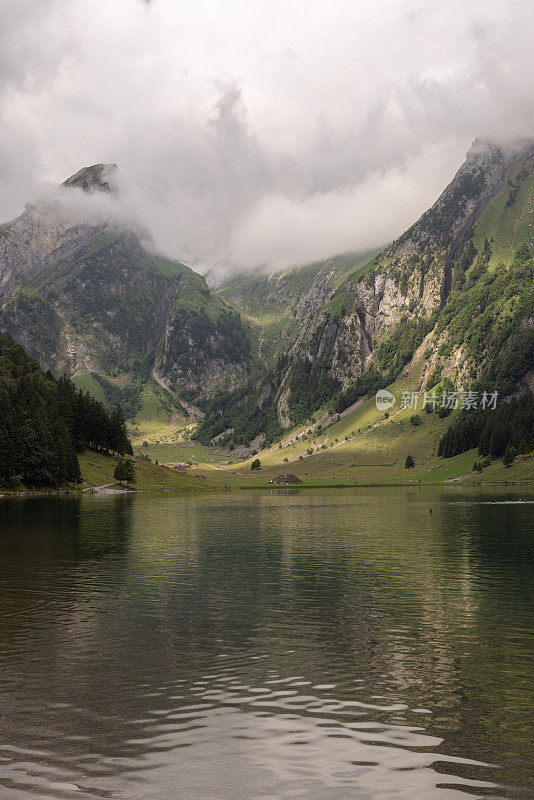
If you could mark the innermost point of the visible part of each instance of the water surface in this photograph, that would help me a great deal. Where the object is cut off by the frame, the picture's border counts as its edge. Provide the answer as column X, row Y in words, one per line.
column 322, row 645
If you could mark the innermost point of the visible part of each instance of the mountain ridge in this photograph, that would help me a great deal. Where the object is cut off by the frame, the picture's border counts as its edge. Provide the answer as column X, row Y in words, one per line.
column 433, row 289
column 85, row 293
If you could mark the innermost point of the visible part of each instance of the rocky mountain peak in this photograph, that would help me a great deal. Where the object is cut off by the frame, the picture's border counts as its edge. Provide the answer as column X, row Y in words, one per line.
column 483, row 150
column 98, row 177
column 482, row 147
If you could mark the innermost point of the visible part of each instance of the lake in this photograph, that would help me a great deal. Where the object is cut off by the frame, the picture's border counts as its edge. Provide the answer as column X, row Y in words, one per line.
column 324, row 645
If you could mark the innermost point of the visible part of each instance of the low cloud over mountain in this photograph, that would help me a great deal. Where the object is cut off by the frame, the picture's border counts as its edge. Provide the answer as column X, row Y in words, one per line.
column 259, row 133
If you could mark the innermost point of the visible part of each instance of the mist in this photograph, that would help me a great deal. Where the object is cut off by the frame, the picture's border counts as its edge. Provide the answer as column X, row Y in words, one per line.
column 260, row 134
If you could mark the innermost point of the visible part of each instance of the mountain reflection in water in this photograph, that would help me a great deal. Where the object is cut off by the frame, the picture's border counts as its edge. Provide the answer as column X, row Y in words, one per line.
column 323, row 644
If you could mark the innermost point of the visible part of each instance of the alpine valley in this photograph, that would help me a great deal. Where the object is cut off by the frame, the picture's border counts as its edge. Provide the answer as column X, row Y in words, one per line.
column 280, row 370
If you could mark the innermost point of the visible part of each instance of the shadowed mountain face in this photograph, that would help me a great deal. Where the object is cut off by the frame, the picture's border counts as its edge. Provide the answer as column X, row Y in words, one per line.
column 82, row 292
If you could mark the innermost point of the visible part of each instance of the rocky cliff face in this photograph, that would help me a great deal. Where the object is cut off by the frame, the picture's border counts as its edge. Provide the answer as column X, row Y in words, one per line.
column 48, row 229
column 98, row 178
column 346, row 340
column 82, row 292
column 204, row 351
column 28, row 244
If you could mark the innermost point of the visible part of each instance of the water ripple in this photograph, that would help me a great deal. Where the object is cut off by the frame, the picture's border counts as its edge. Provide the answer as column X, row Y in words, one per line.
column 346, row 646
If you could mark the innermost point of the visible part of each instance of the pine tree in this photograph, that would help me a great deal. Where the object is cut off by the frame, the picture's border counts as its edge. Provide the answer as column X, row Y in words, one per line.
column 129, row 472
column 409, row 463
column 7, row 454
column 119, row 473
column 118, row 436
column 509, row 456
column 124, row 472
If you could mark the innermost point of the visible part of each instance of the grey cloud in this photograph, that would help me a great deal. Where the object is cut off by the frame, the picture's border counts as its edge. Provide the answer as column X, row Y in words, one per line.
column 259, row 136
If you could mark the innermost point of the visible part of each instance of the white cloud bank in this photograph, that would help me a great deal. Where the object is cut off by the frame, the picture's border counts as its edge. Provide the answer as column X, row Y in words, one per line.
column 254, row 132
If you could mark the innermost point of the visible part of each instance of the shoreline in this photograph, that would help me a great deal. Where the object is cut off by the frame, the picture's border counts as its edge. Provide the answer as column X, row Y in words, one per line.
column 376, row 484
column 108, row 491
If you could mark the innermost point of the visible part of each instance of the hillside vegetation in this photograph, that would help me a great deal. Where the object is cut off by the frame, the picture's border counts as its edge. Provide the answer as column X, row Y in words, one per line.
column 459, row 283
column 47, row 422
column 364, row 445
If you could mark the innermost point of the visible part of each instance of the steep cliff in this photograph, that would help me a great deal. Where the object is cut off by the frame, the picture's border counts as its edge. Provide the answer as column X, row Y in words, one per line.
column 435, row 281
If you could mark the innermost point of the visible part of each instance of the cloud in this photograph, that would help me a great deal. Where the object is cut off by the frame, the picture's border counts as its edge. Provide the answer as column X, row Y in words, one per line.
column 260, row 133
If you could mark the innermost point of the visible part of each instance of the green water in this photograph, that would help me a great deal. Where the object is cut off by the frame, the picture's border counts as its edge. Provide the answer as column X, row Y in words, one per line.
column 323, row 645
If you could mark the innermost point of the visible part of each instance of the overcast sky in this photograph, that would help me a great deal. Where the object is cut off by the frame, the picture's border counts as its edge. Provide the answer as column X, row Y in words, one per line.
column 252, row 132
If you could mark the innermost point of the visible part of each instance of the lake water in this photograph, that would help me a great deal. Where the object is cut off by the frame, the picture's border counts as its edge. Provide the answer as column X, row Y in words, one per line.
column 323, row 645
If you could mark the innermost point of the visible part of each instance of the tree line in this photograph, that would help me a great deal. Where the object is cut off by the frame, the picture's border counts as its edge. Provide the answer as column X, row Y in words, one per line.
column 45, row 422
column 492, row 431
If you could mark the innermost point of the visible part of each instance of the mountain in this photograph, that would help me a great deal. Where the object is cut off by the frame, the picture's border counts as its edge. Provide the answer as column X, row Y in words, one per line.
column 449, row 303
column 456, row 288
column 83, row 291
column 277, row 304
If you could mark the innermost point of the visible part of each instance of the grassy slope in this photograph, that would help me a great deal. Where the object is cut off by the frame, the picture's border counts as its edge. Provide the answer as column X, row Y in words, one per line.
column 182, row 451
column 171, row 269
column 507, row 227
column 154, row 421
column 380, row 442
column 85, row 381
column 97, row 470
